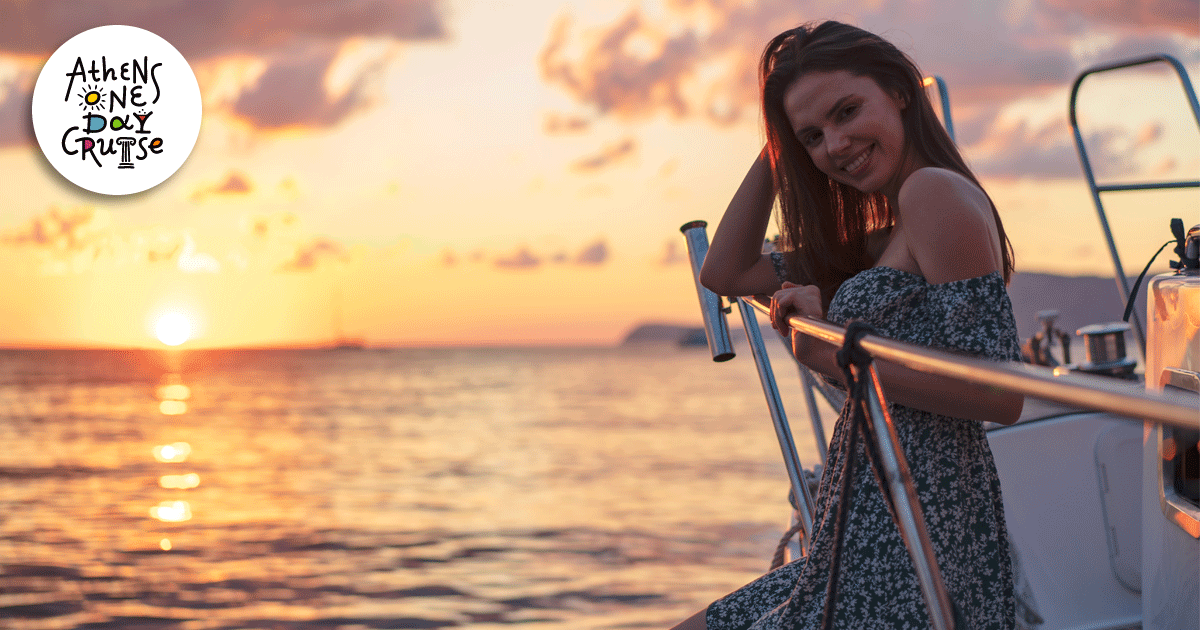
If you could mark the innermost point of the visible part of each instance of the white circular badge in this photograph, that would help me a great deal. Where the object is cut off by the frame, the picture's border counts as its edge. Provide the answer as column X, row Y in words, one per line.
column 116, row 110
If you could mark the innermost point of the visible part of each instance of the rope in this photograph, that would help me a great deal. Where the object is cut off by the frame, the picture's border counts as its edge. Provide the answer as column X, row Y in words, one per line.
column 851, row 354
column 781, row 548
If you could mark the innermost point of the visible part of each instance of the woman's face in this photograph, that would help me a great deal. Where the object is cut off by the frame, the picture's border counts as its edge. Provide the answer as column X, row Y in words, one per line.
column 851, row 129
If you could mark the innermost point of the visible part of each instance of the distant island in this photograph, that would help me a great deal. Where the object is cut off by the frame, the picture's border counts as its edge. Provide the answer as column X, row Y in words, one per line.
column 665, row 333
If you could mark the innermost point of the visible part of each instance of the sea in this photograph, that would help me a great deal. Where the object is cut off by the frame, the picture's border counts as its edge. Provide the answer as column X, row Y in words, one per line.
column 494, row 488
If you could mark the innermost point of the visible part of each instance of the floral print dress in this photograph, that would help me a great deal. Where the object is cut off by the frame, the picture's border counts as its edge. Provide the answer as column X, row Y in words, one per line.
column 951, row 465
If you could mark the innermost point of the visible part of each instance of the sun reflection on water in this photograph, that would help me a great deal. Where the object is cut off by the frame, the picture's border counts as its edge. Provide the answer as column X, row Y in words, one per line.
column 172, row 511
column 172, row 453
column 180, row 482
column 174, row 391
column 476, row 489
column 172, row 407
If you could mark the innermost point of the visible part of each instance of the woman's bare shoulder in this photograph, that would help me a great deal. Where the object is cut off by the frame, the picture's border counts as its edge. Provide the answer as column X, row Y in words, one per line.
column 935, row 186
column 948, row 220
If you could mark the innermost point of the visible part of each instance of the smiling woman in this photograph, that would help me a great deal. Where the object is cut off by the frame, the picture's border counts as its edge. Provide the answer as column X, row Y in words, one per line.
column 875, row 200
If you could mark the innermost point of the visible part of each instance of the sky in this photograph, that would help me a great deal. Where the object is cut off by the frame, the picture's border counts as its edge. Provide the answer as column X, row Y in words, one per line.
column 478, row 172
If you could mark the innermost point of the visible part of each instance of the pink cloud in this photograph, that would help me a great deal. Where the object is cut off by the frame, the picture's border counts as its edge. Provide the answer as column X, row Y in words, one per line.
column 520, row 259
column 297, row 39
column 1180, row 16
column 593, row 255
column 697, row 59
column 235, row 183
column 308, row 256
column 607, row 156
column 218, row 27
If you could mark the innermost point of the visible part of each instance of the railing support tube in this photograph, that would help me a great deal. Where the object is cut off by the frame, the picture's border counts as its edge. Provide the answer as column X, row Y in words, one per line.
column 810, row 388
column 783, row 431
column 716, row 328
column 907, row 507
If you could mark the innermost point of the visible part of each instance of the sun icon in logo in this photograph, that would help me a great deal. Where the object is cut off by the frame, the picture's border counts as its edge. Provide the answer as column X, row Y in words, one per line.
column 91, row 96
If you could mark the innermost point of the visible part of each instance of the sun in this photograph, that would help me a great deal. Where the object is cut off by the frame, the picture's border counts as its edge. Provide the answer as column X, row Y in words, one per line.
column 173, row 329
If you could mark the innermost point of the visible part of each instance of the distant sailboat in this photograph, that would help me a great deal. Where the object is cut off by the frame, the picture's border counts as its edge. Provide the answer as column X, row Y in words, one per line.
column 341, row 340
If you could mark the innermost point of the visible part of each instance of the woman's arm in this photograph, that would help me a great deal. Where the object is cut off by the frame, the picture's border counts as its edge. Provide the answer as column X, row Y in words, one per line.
column 950, row 235
column 735, row 264
column 919, row 390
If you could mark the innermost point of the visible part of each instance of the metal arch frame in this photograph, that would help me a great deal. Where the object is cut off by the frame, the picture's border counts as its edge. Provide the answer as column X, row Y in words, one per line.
column 716, row 331
column 944, row 97
column 1085, row 163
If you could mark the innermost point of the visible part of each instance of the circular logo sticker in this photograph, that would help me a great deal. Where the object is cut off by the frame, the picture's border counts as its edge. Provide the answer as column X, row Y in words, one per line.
column 116, row 110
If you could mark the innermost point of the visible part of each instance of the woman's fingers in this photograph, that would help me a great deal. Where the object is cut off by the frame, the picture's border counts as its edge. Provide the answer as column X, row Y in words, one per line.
column 794, row 299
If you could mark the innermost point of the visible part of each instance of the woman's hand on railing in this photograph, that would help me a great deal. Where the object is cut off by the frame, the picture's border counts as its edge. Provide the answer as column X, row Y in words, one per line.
column 792, row 300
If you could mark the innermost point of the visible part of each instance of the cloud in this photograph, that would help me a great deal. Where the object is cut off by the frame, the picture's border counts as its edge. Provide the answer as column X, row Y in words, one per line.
column 297, row 40
column 202, row 30
column 308, row 256
column 617, row 77
column 593, row 255
column 520, row 259
column 557, row 124
column 191, row 261
column 235, row 183
column 1149, row 134
column 60, row 230
column 263, row 227
column 1021, row 150
column 1174, row 15
column 697, row 59
column 293, row 92
column 16, row 113
column 80, row 239
column 524, row 257
column 607, row 156
column 673, row 253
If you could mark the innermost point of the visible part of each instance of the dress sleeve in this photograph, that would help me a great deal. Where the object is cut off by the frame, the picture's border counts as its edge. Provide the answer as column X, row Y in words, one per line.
column 974, row 316
column 780, row 265
column 741, row 608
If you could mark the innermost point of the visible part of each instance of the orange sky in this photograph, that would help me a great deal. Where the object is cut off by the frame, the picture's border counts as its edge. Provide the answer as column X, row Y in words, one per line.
column 424, row 173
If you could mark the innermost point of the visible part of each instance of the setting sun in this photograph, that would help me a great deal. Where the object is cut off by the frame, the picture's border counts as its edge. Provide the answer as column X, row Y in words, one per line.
column 173, row 329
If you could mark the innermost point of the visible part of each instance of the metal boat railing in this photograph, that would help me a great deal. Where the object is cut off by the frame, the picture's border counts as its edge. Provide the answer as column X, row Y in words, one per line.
column 1096, row 189
column 944, row 99
column 1084, row 391
column 716, row 330
column 1079, row 390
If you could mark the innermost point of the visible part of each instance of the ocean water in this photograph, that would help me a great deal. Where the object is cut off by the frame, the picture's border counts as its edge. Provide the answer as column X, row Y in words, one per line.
column 581, row 488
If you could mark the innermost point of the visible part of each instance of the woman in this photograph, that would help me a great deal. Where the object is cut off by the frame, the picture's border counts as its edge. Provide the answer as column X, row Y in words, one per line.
column 881, row 221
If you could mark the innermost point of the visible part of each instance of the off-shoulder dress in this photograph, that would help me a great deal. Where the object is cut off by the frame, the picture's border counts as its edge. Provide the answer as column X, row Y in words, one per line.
column 950, row 461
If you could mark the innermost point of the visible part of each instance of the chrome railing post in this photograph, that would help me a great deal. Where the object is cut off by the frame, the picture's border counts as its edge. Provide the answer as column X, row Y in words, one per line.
column 716, row 328
column 814, row 414
column 910, row 518
column 783, row 431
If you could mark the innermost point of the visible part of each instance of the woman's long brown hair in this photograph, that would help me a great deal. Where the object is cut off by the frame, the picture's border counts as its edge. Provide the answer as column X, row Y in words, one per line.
column 824, row 223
